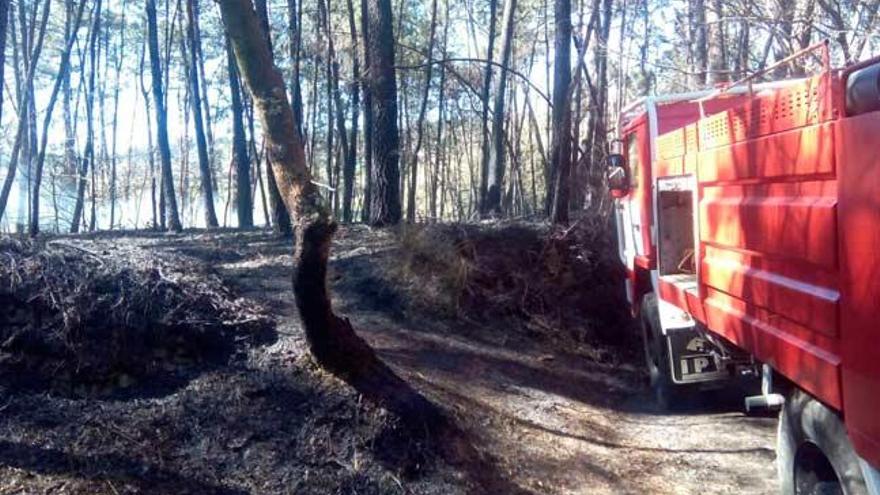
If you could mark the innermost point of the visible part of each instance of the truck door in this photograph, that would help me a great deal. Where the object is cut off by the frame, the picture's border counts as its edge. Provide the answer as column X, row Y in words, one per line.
column 633, row 210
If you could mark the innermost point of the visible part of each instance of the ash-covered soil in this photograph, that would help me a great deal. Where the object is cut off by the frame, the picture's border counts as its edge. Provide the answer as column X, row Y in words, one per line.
column 515, row 331
column 129, row 364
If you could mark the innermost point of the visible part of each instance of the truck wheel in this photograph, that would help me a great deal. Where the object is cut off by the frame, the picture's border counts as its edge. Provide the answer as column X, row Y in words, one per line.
column 667, row 394
column 814, row 454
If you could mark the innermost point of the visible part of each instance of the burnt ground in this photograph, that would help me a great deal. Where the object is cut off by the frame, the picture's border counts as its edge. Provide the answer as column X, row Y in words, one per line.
column 553, row 414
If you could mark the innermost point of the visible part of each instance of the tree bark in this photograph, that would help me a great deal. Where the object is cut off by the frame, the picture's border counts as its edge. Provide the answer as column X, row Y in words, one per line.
column 281, row 220
column 294, row 31
column 172, row 218
column 487, row 86
column 701, row 49
column 561, row 151
column 25, row 100
column 154, row 207
column 4, row 19
column 385, row 208
column 420, row 123
column 243, row 199
column 495, row 179
column 348, row 173
column 331, row 339
column 196, row 107
column 366, row 212
column 718, row 67
column 63, row 69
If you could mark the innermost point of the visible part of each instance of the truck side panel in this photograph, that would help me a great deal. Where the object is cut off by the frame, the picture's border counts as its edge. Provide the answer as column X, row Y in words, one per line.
column 768, row 267
column 860, row 279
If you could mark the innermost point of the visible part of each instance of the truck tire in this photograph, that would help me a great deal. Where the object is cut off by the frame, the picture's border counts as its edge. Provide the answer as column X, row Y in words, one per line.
column 814, row 454
column 667, row 394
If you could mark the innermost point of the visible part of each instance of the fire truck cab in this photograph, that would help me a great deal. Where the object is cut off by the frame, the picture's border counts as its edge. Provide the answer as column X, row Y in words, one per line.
column 748, row 218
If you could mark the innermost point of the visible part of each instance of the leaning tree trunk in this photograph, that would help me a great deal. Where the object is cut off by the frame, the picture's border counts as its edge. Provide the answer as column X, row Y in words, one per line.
column 385, row 208
column 331, row 339
column 172, row 215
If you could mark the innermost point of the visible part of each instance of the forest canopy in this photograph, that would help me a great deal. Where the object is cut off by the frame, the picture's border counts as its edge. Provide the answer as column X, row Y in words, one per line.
column 478, row 110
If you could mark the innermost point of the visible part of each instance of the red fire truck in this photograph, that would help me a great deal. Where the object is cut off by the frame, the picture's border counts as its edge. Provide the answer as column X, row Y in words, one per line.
column 748, row 218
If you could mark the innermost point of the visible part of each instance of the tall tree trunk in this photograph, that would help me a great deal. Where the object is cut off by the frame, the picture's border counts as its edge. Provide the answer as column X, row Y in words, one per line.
column 172, row 215
column 331, row 339
column 64, row 67
column 440, row 148
column 487, row 86
column 69, row 127
column 294, row 31
column 88, row 157
column 154, row 207
column 385, row 207
column 25, row 99
column 495, row 179
column 718, row 67
column 243, row 200
column 561, row 151
column 348, row 172
column 206, row 104
column 196, row 106
column 366, row 212
column 281, row 220
column 420, row 123
column 4, row 19
column 697, row 16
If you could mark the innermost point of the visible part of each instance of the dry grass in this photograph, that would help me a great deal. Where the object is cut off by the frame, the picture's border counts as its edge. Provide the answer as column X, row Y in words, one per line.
column 75, row 312
column 564, row 283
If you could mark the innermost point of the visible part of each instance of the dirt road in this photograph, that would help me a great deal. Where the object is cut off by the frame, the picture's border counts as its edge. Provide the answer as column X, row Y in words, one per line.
column 555, row 422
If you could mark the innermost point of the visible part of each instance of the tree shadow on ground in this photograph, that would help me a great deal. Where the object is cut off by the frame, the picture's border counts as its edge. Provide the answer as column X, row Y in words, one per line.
column 145, row 477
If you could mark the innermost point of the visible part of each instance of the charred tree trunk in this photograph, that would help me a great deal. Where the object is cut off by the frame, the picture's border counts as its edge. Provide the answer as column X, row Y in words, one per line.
column 420, row 123
column 385, row 207
column 495, row 169
column 294, row 30
column 487, row 86
column 348, row 171
column 718, row 67
column 154, row 206
column 115, row 125
column 25, row 99
column 4, row 19
column 561, row 151
column 34, row 227
column 243, row 199
column 331, row 339
column 701, row 50
column 196, row 107
column 366, row 212
column 88, row 158
column 172, row 217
